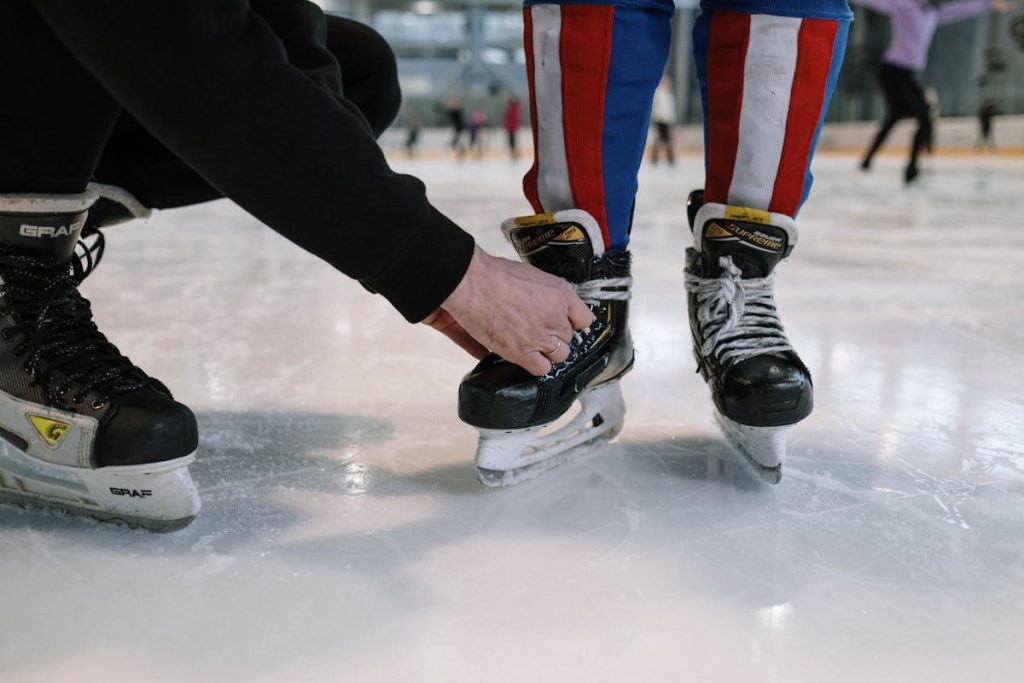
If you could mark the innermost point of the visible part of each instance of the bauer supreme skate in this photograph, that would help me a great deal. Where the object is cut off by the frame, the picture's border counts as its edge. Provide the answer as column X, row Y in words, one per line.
column 515, row 411
column 758, row 383
column 81, row 428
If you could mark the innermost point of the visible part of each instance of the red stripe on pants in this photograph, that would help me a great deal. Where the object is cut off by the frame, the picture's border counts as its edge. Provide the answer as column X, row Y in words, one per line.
column 530, row 180
column 726, row 60
column 585, row 52
column 813, row 61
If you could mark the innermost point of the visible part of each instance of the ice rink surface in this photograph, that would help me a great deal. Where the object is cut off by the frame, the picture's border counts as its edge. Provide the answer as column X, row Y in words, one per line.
column 344, row 536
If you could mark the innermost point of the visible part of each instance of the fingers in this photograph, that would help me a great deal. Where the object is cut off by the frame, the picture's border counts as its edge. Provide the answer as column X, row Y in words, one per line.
column 559, row 352
column 443, row 322
column 521, row 313
column 579, row 314
column 466, row 341
column 534, row 363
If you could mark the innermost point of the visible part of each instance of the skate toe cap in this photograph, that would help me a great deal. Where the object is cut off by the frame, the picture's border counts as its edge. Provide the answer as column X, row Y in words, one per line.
column 498, row 395
column 146, row 428
column 767, row 391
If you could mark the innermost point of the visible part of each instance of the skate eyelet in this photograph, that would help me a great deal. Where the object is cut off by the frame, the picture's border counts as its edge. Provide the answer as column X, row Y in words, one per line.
column 77, row 399
column 6, row 336
column 97, row 405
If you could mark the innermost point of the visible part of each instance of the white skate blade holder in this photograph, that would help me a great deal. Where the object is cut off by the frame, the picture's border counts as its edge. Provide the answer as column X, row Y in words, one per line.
column 763, row 449
column 159, row 497
column 506, row 457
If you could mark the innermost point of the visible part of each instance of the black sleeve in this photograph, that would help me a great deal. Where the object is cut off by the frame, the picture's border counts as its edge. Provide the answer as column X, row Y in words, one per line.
column 213, row 82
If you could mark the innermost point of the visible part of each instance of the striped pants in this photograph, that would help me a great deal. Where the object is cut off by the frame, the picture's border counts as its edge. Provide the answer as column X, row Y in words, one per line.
column 766, row 69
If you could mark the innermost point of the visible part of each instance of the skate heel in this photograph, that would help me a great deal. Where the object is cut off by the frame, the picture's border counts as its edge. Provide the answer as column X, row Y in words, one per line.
column 158, row 497
column 509, row 456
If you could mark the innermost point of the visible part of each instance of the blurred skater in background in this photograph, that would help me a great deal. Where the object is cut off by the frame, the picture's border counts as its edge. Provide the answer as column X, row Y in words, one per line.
column 512, row 121
column 663, row 118
column 986, row 114
column 913, row 27
column 457, row 120
column 413, row 126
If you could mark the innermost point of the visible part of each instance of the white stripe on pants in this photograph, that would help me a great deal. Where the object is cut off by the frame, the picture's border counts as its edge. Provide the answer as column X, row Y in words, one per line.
column 767, row 85
column 553, row 188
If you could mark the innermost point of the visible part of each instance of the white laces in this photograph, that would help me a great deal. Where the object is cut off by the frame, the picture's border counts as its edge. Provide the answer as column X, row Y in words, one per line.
column 593, row 292
column 610, row 289
column 736, row 316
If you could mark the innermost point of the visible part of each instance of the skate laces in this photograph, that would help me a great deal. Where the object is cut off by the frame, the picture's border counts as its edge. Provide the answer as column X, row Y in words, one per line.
column 736, row 316
column 57, row 333
column 593, row 292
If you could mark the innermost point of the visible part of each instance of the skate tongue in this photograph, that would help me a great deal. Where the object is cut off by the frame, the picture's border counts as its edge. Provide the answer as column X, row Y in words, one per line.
column 560, row 248
column 755, row 247
column 45, row 235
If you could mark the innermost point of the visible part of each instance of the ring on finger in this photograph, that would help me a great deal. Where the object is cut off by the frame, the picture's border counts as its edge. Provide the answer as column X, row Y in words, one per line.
column 557, row 347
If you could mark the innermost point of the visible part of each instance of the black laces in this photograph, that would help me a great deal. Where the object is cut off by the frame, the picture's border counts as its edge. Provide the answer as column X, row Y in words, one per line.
column 52, row 323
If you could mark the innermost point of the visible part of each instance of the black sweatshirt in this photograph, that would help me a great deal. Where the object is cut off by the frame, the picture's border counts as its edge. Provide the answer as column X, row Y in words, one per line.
column 247, row 94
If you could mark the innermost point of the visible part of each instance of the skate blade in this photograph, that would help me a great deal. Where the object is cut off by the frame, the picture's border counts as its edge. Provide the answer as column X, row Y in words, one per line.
column 762, row 448
column 509, row 457
column 160, row 497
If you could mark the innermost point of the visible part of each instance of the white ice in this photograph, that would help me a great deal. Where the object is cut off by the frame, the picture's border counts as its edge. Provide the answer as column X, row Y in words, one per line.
column 345, row 538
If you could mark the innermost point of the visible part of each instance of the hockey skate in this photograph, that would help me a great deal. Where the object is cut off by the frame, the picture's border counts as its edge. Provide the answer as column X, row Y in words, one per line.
column 81, row 428
column 758, row 383
column 516, row 412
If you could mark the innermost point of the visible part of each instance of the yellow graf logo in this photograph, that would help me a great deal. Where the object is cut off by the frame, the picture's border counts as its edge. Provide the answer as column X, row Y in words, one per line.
column 539, row 219
column 573, row 234
column 52, row 431
column 743, row 213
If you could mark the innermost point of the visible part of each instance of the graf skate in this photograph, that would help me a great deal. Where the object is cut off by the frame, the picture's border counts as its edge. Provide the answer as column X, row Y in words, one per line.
column 83, row 430
column 514, row 411
column 758, row 383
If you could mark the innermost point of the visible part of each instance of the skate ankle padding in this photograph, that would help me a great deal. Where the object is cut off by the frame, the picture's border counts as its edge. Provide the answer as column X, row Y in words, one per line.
column 41, row 223
column 528, row 233
column 565, row 244
column 115, row 205
column 772, row 232
column 752, row 240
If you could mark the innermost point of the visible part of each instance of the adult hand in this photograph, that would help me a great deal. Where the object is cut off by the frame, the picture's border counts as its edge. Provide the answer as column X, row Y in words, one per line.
column 442, row 321
column 524, row 315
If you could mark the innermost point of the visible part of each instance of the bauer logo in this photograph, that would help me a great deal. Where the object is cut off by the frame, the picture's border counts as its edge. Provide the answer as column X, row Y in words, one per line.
column 132, row 493
column 528, row 244
column 750, row 233
column 50, row 231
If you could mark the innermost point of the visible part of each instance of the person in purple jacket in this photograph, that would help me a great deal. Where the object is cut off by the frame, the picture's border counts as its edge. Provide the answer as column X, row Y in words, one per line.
column 913, row 26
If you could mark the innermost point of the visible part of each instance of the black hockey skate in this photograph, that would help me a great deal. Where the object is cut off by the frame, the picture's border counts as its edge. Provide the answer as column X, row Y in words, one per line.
column 82, row 428
column 758, row 383
column 510, row 407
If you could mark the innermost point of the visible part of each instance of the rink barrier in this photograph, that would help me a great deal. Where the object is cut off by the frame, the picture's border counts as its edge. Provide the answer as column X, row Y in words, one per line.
column 952, row 135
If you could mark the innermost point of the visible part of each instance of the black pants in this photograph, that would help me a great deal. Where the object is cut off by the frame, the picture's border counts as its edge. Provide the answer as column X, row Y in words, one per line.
column 904, row 99
column 132, row 158
column 264, row 101
column 79, row 132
